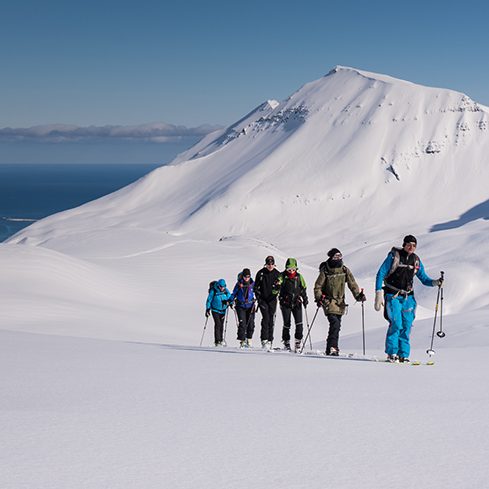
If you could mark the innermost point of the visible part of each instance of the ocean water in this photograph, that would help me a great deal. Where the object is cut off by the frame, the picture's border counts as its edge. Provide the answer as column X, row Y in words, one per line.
column 31, row 192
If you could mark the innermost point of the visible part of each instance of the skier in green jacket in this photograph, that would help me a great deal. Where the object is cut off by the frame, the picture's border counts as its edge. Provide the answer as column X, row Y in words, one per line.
column 292, row 297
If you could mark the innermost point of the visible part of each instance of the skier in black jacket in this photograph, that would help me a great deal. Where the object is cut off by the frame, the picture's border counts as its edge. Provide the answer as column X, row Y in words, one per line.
column 266, row 289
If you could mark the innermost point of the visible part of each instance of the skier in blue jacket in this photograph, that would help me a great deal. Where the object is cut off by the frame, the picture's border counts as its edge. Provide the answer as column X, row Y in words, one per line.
column 396, row 276
column 244, row 297
column 217, row 302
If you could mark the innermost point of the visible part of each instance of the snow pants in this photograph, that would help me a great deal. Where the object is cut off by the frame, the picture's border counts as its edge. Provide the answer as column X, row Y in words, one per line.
column 334, row 332
column 401, row 311
column 246, row 322
column 218, row 326
column 296, row 311
column 267, row 309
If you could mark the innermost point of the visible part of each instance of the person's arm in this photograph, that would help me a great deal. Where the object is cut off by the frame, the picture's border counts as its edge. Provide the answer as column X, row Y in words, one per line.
column 277, row 284
column 383, row 271
column 235, row 291
column 257, row 286
column 423, row 277
column 209, row 299
column 318, row 286
column 352, row 284
column 305, row 300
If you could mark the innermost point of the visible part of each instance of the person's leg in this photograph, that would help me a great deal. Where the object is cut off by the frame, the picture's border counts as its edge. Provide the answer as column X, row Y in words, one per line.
column 272, row 307
column 393, row 308
column 218, row 326
column 286, row 311
column 297, row 312
column 265, row 320
column 333, row 333
column 408, row 314
column 250, row 322
column 241, row 323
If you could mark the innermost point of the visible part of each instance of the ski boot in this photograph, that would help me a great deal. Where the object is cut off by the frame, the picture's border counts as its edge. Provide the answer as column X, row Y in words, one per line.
column 248, row 343
column 334, row 352
column 264, row 344
column 392, row 359
column 298, row 344
column 404, row 360
column 242, row 343
column 287, row 345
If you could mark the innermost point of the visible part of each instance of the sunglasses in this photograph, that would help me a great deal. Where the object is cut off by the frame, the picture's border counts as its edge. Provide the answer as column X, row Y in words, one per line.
column 337, row 256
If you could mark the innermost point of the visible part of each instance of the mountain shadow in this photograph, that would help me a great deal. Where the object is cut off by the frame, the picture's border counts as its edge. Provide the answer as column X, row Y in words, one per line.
column 477, row 212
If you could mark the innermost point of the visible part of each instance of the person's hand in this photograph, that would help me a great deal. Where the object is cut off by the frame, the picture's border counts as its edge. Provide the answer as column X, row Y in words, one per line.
column 438, row 282
column 305, row 301
column 321, row 301
column 207, row 313
column 360, row 297
column 379, row 300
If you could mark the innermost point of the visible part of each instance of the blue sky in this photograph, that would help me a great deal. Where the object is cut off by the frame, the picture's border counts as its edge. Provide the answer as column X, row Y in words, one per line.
column 191, row 63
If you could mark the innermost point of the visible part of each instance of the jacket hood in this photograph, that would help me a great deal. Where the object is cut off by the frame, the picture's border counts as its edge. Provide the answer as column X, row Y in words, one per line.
column 291, row 263
column 221, row 283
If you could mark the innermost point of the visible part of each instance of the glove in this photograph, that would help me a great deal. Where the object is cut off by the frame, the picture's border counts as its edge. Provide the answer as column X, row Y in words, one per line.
column 305, row 301
column 207, row 313
column 438, row 282
column 360, row 297
column 379, row 300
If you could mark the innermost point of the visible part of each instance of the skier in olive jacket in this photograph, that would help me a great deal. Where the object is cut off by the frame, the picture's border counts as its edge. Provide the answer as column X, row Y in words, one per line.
column 329, row 293
column 292, row 297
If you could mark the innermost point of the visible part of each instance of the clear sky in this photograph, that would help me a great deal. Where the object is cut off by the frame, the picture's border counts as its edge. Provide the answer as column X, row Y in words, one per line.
column 210, row 62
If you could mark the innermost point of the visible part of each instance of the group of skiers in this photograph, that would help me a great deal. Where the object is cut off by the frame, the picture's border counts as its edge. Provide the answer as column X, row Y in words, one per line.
column 393, row 292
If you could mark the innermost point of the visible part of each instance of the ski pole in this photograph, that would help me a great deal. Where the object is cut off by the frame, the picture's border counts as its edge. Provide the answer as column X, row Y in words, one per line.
column 307, row 323
column 203, row 332
column 363, row 326
column 309, row 329
column 225, row 325
column 430, row 351
column 441, row 333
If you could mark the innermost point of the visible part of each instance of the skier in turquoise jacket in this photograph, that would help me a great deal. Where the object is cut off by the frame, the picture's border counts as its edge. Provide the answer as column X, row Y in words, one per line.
column 217, row 302
column 395, row 277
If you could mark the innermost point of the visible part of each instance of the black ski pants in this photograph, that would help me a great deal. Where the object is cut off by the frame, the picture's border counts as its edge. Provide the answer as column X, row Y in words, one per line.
column 218, row 326
column 246, row 322
column 295, row 311
column 334, row 332
column 267, row 309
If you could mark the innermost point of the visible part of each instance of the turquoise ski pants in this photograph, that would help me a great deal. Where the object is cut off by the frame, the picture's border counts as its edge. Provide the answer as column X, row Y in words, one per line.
column 401, row 312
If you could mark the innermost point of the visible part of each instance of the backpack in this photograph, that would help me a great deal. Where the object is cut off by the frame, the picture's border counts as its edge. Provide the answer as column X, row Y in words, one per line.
column 396, row 262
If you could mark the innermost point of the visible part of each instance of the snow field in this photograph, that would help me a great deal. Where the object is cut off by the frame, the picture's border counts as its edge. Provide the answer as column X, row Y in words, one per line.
column 85, row 413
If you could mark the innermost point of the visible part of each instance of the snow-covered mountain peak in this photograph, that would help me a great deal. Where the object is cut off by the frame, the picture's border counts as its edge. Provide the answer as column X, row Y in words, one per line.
column 351, row 143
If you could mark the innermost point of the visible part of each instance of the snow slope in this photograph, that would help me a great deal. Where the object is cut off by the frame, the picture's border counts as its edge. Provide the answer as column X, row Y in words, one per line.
column 354, row 160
